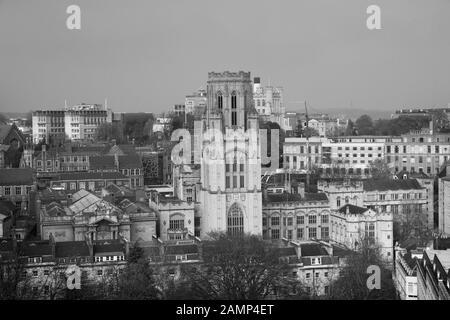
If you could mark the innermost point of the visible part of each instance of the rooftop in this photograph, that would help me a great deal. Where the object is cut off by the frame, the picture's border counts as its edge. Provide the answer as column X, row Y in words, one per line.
column 352, row 209
column 16, row 177
column 390, row 184
column 71, row 176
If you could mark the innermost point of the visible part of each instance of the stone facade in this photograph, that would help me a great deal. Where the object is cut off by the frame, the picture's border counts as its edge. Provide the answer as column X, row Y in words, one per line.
column 230, row 195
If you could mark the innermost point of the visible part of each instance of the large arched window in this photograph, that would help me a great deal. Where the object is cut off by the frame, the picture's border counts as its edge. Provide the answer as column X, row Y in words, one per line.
column 219, row 101
column 235, row 221
column 233, row 109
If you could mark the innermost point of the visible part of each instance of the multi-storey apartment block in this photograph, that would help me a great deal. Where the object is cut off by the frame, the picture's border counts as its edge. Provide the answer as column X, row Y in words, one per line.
column 76, row 123
column 419, row 151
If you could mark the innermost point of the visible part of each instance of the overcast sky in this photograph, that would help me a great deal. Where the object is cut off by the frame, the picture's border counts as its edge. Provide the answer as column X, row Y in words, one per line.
column 146, row 55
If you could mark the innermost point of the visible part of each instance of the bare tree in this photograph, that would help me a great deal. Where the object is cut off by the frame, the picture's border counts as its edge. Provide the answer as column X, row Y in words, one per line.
column 352, row 281
column 238, row 268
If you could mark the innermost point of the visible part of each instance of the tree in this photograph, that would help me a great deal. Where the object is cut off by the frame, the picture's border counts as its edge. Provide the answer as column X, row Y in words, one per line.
column 352, row 281
column 364, row 125
column 110, row 131
column 412, row 225
column 137, row 282
column 238, row 268
column 350, row 131
column 379, row 169
column 309, row 132
column 440, row 119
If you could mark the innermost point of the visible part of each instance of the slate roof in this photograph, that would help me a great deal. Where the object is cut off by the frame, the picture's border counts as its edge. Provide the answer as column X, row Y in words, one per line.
column 109, row 246
column 16, row 177
column 130, row 161
column 119, row 190
column 181, row 249
column 102, row 163
column 76, row 176
column 295, row 197
column 391, row 184
column 352, row 209
column 69, row 249
column 35, row 248
column 312, row 249
column 4, row 131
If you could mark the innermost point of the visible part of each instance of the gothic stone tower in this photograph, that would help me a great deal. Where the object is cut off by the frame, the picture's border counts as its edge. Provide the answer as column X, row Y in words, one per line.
column 230, row 195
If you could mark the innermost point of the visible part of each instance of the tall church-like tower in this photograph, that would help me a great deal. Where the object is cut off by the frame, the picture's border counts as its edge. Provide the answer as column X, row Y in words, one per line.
column 230, row 195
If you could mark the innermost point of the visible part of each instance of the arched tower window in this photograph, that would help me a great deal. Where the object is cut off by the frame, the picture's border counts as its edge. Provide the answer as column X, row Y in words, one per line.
column 219, row 101
column 233, row 109
column 235, row 219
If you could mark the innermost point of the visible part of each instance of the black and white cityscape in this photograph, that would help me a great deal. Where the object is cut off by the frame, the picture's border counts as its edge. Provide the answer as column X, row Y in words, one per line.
column 238, row 150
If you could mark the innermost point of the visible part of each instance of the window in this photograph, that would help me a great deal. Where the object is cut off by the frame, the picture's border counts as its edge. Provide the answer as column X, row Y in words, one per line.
column 315, row 261
column 338, row 202
column 275, row 233
column 18, row 190
column 227, row 182
column 46, row 272
column 7, row 191
column 300, row 220
column 275, row 221
column 235, row 221
column 99, row 272
column 233, row 109
column 299, row 233
column 324, row 218
column 308, row 275
column 242, row 181
column 290, row 221
column 325, row 233
column 176, row 222
column 35, row 273
column 312, row 219
column 312, row 232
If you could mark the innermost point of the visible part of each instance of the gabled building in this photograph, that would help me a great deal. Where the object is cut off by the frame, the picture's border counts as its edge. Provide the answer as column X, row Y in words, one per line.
column 16, row 185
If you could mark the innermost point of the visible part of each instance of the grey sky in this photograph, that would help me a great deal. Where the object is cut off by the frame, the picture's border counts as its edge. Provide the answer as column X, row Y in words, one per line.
column 147, row 55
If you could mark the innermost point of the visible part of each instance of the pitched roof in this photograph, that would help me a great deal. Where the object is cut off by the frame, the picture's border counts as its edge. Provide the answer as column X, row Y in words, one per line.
column 391, row 184
column 35, row 248
column 4, row 131
column 181, row 249
column 102, row 163
column 16, row 176
column 130, row 161
column 295, row 197
column 312, row 249
column 68, row 249
column 108, row 246
column 352, row 209
column 67, row 176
